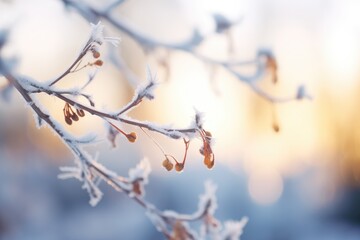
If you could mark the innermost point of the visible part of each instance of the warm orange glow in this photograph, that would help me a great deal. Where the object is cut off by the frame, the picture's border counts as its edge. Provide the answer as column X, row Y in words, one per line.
column 324, row 57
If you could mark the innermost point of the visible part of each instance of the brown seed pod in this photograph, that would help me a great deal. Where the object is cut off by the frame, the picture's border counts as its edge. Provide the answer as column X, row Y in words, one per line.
column 68, row 120
column 80, row 112
column 209, row 161
column 167, row 164
column 74, row 117
column 96, row 54
column 99, row 62
column 276, row 127
column 209, row 158
column 131, row 137
column 179, row 167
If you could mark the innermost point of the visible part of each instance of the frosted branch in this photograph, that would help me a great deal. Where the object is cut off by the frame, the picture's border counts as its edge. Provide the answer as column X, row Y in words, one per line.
column 86, row 167
column 265, row 61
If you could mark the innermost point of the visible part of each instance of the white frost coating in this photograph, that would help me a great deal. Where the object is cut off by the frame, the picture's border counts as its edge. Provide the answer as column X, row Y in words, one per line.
column 27, row 83
column 91, row 75
column 141, row 171
column 38, row 121
column 158, row 128
column 90, row 179
column 83, row 173
column 86, row 139
column 97, row 32
column 102, row 168
column 207, row 200
column 139, row 176
column 70, row 172
column 158, row 222
column 198, row 119
column 93, row 190
column 30, row 84
column 176, row 215
column 147, row 90
column 233, row 229
column 97, row 35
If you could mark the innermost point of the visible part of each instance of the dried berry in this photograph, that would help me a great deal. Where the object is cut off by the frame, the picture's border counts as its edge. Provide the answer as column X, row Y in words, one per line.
column 74, row 117
column 209, row 160
column 99, row 62
column 276, row 127
column 179, row 167
column 96, row 54
column 167, row 164
column 80, row 112
column 68, row 120
column 131, row 137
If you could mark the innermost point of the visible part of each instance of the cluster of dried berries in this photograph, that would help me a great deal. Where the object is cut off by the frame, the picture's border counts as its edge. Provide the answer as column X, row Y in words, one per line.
column 71, row 115
column 179, row 166
column 94, row 49
column 96, row 54
column 205, row 150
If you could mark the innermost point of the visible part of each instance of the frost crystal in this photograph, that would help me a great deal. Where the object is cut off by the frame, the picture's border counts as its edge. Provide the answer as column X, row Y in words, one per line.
column 97, row 35
column 198, row 120
column 141, row 171
column 93, row 190
column 148, row 89
column 233, row 229
column 158, row 222
column 138, row 177
column 87, row 171
column 208, row 201
column 70, row 172
column 82, row 173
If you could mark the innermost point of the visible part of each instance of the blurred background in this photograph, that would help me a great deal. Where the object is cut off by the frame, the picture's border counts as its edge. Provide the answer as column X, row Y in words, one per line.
column 299, row 183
